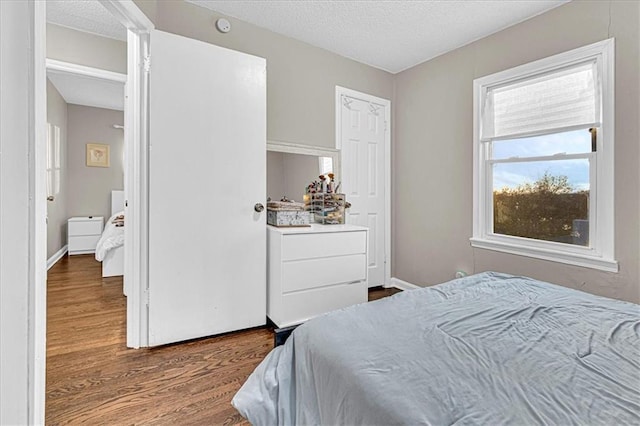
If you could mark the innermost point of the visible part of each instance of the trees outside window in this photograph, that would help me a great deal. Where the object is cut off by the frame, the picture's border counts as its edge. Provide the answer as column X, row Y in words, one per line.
column 549, row 209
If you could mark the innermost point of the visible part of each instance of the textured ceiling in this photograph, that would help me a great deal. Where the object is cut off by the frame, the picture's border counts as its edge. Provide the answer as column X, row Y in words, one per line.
column 392, row 35
column 88, row 16
column 88, row 91
column 85, row 15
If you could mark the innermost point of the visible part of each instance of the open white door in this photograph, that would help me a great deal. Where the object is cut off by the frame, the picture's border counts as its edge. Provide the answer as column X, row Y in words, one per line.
column 207, row 160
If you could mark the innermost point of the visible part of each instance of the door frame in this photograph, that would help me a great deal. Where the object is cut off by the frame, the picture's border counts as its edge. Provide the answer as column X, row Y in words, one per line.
column 345, row 92
column 23, row 247
column 62, row 67
column 136, row 147
column 139, row 27
column 136, row 258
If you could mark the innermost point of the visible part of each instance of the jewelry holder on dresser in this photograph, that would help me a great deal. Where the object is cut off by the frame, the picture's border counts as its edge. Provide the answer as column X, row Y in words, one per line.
column 326, row 208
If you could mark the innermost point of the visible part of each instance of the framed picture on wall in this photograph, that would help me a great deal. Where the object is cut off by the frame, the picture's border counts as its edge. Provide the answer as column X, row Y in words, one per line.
column 97, row 155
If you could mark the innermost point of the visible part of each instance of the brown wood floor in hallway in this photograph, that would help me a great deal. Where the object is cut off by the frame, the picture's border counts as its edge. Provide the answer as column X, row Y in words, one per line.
column 93, row 378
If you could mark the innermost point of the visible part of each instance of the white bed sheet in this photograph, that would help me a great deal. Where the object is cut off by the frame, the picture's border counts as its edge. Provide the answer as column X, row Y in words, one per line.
column 112, row 238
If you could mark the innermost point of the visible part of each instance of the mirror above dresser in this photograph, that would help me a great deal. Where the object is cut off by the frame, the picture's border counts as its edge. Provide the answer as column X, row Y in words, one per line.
column 291, row 167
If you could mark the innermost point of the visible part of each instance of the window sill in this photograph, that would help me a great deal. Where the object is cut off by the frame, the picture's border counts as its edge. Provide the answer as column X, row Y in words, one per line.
column 577, row 259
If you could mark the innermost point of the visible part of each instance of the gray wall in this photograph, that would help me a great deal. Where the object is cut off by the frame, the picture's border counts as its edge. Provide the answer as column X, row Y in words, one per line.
column 299, row 171
column 275, row 175
column 77, row 47
column 289, row 174
column 57, row 209
column 301, row 79
column 89, row 188
column 85, row 190
column 432, row 122
column 432, row 152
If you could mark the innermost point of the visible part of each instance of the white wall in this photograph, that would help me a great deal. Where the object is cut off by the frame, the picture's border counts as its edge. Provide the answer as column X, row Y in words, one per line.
column 22, row 261
column 14, row 208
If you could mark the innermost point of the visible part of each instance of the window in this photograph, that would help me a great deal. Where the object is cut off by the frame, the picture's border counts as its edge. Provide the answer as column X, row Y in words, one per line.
column 543, row 159
column 53, row 161
column 326, row 165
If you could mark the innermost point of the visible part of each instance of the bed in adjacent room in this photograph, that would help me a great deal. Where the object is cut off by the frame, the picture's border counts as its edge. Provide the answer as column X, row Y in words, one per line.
column 486, row 349
column 110, row 247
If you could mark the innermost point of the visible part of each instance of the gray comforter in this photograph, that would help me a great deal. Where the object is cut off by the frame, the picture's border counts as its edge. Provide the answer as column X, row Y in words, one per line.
column 487, row 349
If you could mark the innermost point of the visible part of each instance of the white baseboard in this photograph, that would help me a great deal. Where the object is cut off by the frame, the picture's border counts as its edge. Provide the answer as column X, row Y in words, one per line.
column 402, row 285
column 57, row 256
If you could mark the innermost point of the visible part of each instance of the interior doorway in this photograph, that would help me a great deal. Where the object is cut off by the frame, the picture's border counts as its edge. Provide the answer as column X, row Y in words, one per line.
column 86, row 78
column 84, row 109
column 137, row 27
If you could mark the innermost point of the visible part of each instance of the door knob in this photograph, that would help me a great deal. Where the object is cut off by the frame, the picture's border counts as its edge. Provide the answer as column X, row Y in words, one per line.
column 258, row 207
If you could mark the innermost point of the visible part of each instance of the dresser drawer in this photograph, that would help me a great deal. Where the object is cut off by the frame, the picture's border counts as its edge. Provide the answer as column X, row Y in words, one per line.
column 85, row 227
column 314, row 270
column 311, row 273
column 304, row 305
column 308, row 246
column 83, row 243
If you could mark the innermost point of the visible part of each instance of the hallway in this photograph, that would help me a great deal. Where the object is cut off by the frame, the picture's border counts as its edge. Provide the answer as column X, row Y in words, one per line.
column 93, row 378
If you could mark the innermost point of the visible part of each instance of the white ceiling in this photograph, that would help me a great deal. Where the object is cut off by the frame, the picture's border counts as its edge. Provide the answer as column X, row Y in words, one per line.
column 91, row 17
column 392, row 35
column 85, row 15
column 88, row 91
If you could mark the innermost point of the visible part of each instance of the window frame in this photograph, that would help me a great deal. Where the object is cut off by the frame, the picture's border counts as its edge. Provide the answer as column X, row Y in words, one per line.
column 600, row 252
column 53, row 161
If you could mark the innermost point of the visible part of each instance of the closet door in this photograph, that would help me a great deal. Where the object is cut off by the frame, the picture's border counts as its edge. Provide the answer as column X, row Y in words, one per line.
column 207, row 160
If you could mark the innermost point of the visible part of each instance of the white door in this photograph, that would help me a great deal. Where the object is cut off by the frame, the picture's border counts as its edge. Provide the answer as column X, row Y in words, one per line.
column 207, row 160
column 362, row 135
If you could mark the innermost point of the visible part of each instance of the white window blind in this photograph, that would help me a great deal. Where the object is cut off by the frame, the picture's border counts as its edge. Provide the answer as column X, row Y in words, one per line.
column 558, row 101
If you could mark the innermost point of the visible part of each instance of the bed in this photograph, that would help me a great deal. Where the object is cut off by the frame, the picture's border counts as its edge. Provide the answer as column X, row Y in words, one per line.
column 485, row 349
column 110, row 247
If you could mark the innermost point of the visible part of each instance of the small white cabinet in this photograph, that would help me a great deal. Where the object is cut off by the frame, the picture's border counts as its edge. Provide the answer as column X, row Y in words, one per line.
column 83, row 234
column 313, row 270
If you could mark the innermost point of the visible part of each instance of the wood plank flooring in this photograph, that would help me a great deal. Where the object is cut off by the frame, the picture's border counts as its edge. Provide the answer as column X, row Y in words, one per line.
column 376, row 293
column 92, row 378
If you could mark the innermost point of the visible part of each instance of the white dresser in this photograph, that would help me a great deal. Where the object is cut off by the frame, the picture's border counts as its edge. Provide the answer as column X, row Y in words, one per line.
column 313, row 270
column 83, row 234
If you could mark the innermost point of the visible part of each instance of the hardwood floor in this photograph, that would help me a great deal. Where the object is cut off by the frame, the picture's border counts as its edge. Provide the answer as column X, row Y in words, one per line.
column 376, row 293
column 93, row 378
